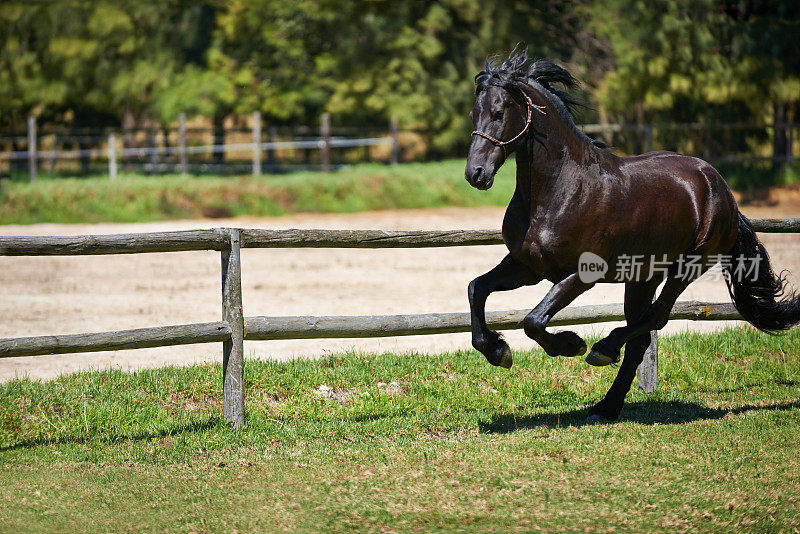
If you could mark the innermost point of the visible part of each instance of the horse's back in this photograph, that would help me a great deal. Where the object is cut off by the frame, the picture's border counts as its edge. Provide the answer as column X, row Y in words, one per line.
column 688, row 187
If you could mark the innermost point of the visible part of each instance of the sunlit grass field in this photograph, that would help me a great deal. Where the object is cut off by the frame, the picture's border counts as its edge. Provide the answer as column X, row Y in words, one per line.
column 363, row 187
column 413, row 442
column 138, row 198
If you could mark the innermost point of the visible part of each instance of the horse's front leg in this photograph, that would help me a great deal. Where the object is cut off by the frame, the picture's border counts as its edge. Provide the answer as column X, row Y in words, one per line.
column 560, row 295
column 509, row 274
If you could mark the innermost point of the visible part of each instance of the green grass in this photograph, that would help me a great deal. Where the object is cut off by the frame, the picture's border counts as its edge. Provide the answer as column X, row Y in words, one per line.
column 454, row 444
column 749, row 177
column 134, row 198
column 138, row 198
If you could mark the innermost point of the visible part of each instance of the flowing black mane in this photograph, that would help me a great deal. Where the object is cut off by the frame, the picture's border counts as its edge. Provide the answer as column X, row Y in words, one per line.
column 518, row 68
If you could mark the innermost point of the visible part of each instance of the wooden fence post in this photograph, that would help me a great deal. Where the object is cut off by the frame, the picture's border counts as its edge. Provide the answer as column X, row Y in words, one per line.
column 182, row 163
column 647, row 372
column 112, row 157
column 256, row 143
column 32, row 148
column 393, row 128
column 233, row 350
column 325, row 133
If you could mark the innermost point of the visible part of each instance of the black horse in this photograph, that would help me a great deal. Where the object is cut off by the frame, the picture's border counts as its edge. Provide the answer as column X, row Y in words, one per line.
column 575, row 200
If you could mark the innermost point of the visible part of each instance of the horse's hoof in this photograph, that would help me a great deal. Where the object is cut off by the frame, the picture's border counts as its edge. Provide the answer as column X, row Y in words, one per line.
column 506, row 360
column 498, row 355
column 598, row 359
column 596, row 418
column 570, row 344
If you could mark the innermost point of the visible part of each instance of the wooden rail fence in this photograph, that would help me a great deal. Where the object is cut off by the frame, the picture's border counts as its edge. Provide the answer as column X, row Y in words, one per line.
column 324, row 143
column 234, row 328
column 173, row 152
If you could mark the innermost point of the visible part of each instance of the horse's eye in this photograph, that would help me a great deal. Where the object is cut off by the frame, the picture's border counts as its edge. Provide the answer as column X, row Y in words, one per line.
column 497, row 115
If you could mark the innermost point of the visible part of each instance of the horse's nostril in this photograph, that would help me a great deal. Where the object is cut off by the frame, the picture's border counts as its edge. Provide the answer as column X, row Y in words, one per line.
column 476, row 174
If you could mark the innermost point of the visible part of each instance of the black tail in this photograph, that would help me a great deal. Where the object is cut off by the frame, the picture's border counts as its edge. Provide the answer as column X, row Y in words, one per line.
column 763, row 298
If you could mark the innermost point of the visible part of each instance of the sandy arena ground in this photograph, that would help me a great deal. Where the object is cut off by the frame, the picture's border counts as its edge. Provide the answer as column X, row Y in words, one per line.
column 62, row 295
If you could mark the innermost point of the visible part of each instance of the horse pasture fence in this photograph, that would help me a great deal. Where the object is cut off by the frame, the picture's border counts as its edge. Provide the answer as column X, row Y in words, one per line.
column 234, row 328
column 170, row 150
column 256, row 147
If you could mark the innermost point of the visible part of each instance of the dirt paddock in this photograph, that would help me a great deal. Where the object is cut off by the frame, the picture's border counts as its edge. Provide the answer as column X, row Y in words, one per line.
column 62, row 295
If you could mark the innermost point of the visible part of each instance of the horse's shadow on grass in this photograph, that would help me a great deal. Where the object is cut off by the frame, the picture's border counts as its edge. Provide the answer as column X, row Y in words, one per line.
column 642, row 412
column 174, row 430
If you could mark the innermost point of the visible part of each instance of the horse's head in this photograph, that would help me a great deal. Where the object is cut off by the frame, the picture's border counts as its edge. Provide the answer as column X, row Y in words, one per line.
column 501, row 117
column 509, row 99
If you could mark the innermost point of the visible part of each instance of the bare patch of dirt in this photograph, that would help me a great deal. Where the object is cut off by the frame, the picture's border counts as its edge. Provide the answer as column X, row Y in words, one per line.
column 338, row 394
column 273, row 399
column 728, row 359
column 780, row 357
column 392, row 388
column 182, row 401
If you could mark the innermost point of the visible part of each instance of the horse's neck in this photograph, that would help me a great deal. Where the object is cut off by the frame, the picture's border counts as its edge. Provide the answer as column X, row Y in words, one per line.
column 536, row 181
column 541, row 170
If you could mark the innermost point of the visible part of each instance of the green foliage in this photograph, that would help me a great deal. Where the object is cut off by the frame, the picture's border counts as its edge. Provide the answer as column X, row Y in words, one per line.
column 364, row 60
column 84, row 62
column 104, row 63
column 689, row 60
column 413, row 442
column 757, row 176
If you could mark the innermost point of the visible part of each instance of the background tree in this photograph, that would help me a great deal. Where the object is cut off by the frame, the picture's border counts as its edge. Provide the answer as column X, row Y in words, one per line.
column 135, row 63
column 700, row 61
column 368, row 60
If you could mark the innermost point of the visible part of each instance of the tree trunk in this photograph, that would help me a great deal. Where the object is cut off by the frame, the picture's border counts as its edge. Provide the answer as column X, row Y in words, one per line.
column 219, row 138
column 128, row 136
column 83, row 158
column 779, row 134
column 638, row 137
column 16, row 166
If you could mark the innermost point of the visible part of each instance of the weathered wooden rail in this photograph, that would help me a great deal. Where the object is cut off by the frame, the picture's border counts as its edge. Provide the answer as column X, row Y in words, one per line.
column 235, row 328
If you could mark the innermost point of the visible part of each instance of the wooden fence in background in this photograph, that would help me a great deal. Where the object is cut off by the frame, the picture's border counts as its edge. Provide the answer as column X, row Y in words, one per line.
column 114, row 151
column 234, row 328
column 169, row 150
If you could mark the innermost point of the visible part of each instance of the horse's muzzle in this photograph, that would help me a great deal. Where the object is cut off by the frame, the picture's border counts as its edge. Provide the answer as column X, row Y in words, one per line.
column 479, row 178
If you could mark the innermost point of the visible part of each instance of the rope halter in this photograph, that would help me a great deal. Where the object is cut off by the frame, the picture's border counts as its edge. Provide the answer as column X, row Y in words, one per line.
column 502, row 144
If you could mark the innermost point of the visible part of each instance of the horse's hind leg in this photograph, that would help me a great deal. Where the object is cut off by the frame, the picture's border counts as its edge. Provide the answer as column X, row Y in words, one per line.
column 560, row 295
column 638, row 297
column 509, row 274
column 655, row 317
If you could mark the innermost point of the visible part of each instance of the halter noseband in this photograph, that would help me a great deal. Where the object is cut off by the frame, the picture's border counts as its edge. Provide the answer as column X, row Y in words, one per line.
column 502, row 144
